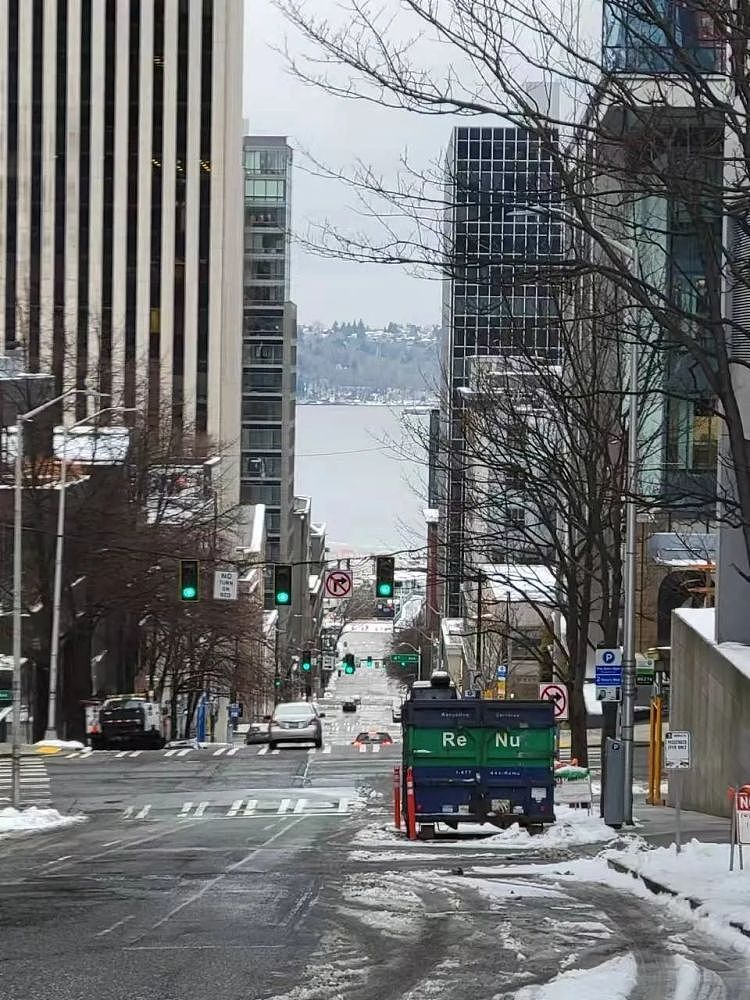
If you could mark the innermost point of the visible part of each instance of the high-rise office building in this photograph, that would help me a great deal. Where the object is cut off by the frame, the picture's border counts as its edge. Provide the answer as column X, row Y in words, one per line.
column 120, row 238
column 501, row 229
column 269, row 341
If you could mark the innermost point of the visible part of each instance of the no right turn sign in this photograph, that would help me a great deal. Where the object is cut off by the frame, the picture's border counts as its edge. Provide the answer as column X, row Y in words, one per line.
column 558, row 695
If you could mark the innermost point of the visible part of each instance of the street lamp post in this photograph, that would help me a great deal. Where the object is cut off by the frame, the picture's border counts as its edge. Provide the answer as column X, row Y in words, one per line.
column 21, row 419
column 50, row 732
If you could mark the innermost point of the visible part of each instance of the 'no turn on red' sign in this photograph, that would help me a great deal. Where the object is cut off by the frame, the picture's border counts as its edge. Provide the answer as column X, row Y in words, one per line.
column 558, row 695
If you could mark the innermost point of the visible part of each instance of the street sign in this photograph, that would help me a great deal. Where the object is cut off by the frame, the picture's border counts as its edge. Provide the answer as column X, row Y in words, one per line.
column 677, row 756
column 608, row 693
column 645, row 670
column 339, row 583
column 405, row 659
column 558, row 695
column 502, row 672
column 609, row 676
column 6, row 696
column 226, row 582
column 609, row 657
column 329, row 661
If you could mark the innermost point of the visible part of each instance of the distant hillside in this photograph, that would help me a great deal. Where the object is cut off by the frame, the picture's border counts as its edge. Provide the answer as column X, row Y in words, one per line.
column 349, row 362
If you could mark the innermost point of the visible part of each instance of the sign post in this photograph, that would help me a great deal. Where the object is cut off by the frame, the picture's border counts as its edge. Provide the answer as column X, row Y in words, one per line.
column 677, row 757
column 740, row 825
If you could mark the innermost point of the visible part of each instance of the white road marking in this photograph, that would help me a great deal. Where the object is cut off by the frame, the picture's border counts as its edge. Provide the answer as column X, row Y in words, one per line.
column 127, row 814
column 187, row 806
column 376, row 748
column 343, row 805
column 119, row 923
column 169, row 753
column 250, row 807
column 122, row 753
column 201, row 808
column 284, row 806
column 300, row 806
column 311, row 751
column 70, row 756
column 275, row 751
column 220, row 751
column 327, row 748
column 136, row 753
column 183, row 753
column 363, row 748
column 263, row 750
column 235, row 807
column 232, row 752
column 111, row 843
column 144, row 812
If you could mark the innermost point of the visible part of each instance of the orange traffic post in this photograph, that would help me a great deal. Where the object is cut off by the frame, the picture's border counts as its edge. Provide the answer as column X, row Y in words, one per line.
column 411, row 806
column 654, row 753
column 397, row 797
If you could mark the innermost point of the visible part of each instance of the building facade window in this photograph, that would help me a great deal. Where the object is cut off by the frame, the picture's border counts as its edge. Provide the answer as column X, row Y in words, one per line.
column 261, row 381
column 693, row 435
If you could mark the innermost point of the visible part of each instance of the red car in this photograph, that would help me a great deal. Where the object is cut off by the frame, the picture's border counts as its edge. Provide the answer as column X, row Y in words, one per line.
column 363, row 739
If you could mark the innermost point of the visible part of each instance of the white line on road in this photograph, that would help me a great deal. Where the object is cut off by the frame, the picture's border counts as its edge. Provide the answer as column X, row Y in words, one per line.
column 201, row 808
column 119, row 923
column 127, row 814
column 235, row 807
column 169, row 753
column 250, row 807
column 363, row 748
column 220, row 751
column 284, row 805
column 327, row 748
column 63, row 858
column 376, row 748
column 263, row 750
column 232, row 752
column 144, row 812
column 311, row 751
column 300, row 806
column 183, row 753
column 122, row 753
column 343, row 805
column 111, row 843
column 136, row 753
column 276, row 751
column 232, row 868
column 187, row 806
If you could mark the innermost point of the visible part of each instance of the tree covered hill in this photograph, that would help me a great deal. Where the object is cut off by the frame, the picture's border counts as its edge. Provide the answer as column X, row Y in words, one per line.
column 350, row 362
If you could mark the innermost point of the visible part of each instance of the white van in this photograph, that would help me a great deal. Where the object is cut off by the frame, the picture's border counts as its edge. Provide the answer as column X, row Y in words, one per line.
column 396, row 710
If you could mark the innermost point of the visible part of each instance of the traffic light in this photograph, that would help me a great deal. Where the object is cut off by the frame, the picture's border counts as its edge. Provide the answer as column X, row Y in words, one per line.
column 307, row 660
column 369, row 661
column 384, row 571
column 188, row 580
column 349, row 663
column 282, row 585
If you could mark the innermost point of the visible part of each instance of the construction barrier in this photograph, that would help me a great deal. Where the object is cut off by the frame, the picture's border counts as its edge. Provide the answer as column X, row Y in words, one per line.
column 397, row 797
column 411, row 806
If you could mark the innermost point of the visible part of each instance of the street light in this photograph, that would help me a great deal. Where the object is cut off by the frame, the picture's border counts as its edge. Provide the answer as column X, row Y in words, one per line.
column 627, row 714
column 21, row 419
column 50, row 732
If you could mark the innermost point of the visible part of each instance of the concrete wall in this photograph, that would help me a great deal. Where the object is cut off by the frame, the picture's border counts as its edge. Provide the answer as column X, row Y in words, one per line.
column 710, row 697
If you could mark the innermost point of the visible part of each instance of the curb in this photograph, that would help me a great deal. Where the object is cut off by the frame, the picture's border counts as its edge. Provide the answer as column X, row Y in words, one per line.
column 662, row 890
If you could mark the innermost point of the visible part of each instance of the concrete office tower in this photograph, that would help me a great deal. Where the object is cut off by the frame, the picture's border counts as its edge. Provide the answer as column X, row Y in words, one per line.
column 269, row 341
column 120, row 239
column 493, row 303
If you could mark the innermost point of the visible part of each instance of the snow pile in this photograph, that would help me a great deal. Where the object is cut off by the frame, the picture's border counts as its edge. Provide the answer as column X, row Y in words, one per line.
column 700, row 872
column 33, row 820
column 614, row 980
column 60, row 744
column 573, row 828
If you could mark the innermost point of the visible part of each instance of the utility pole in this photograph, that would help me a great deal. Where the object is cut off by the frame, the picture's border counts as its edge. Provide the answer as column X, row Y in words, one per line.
column 478, row 654
column 628, row 643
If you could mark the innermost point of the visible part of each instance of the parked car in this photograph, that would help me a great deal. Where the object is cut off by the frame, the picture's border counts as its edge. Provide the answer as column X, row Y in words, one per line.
column 364, row 739
column 295, row 722
column 348, row 706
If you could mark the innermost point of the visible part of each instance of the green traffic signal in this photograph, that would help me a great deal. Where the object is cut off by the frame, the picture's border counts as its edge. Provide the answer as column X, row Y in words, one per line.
column 385, row 590
column 348, row 669
column 188, row 593
column 189, row 580
column 282, row 597
column 282, row 585
column 307, row 660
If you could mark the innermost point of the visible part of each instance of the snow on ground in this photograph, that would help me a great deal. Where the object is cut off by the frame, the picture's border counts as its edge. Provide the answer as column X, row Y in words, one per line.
column 574, row 827
column 60, row 744
column 700, row 871
column 33, row 820
column 614, row 980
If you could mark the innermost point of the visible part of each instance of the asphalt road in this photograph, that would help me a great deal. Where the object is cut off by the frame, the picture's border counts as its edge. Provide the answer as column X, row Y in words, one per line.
column 250, row 876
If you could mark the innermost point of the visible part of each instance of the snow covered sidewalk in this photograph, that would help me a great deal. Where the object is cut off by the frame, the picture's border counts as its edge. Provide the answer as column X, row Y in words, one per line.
column 15, row 822
column 699, row 875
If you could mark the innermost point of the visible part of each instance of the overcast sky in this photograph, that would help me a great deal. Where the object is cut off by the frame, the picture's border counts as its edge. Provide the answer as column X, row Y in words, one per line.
column 335, row 132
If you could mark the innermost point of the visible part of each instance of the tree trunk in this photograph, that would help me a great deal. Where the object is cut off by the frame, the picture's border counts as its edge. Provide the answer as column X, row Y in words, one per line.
column 578, row 729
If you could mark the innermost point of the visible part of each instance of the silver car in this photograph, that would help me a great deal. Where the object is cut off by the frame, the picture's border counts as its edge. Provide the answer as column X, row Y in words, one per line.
column 295, row 722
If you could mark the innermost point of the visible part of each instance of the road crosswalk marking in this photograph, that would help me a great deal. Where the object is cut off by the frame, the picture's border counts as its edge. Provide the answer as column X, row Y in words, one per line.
column 220, row 751
column 300, row 806
column 187, row 806
column 144, row 812
column 232, row 751
column 235, row 807
column 183, row 753
column 263, row 750
column 201, row 808
column 284, row 805
column 250, row 808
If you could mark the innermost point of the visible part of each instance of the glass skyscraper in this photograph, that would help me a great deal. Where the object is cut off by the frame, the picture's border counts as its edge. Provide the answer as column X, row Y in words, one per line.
column 503, row 231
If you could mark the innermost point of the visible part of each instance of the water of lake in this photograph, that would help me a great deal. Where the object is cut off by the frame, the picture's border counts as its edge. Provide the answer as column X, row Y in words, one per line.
column 366, row 471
